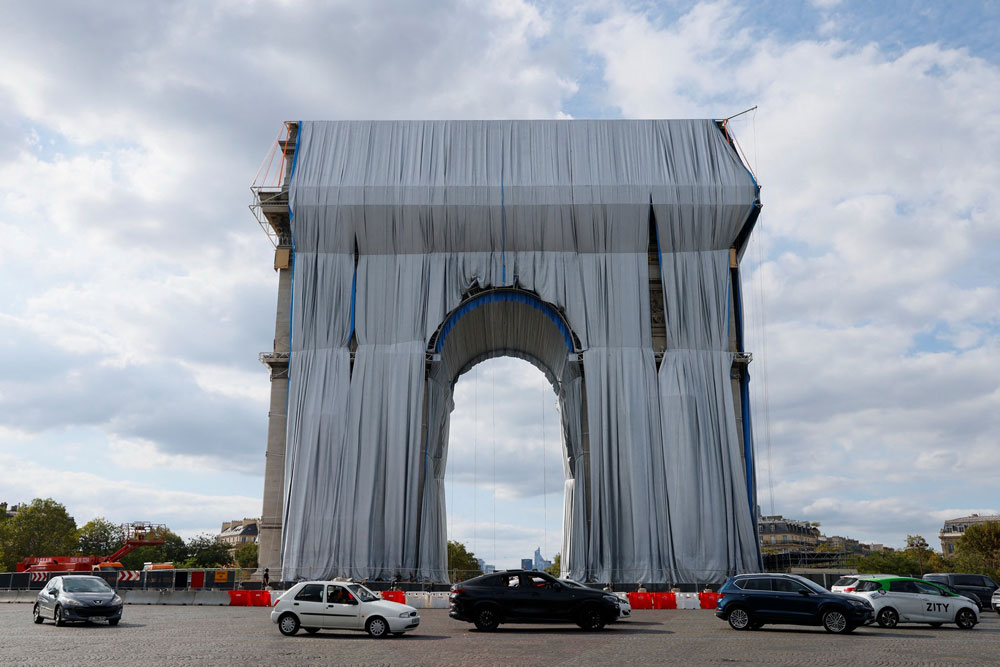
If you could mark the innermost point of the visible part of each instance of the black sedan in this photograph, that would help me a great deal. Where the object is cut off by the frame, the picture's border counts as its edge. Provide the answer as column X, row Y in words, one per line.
column 750, row 600
column 526, row 596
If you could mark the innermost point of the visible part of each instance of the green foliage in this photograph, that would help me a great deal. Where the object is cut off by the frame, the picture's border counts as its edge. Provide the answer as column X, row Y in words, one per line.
column 978, row 550
column 556, row 566
column 206, row 551
column 461, row 563
column 98, row 537
column 173, row 550
column 246, row 555
column 41, row 528
column 914, row 561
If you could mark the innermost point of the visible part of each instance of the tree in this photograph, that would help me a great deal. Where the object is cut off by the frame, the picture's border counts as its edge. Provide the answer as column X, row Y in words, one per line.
column 462, row 563
column 246, row 555
column 98, row 537
column 173, row 550
column 978, row 550
column 926, row 560
column 41, row 528
column 556, row 566
column 207, row 551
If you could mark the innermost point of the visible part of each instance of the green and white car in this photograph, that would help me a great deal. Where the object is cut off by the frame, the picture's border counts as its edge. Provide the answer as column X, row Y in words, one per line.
column 909, row 600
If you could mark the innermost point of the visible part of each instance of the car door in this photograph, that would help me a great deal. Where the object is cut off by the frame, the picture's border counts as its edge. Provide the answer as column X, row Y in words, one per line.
column 939, row 607
column 343, row 609
column 760, row 598
column 793, row 600
column 904, row 597
column 308, row 605
column 47, row 601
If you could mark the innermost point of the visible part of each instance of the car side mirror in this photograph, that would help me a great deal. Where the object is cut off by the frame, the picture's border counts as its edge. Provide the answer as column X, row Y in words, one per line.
column 557, row 587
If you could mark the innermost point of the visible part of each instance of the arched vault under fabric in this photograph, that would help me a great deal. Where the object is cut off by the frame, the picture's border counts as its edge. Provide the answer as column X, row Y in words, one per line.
column 603, row 252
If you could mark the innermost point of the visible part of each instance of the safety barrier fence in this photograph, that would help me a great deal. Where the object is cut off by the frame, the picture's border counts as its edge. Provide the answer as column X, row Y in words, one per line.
column 196, row 579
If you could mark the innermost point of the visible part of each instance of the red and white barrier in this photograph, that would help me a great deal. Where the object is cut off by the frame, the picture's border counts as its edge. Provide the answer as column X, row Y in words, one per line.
column 128, row 575
column 38, row 576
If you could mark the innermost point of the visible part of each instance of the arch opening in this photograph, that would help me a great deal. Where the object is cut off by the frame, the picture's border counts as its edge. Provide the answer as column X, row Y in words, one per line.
column 505, row 472
column 487, row 325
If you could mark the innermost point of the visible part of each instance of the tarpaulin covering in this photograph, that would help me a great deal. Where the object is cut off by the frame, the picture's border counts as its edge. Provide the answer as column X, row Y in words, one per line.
column 395, row 224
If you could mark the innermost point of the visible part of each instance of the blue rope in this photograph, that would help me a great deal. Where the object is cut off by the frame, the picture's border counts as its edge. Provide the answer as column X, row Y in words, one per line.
column 495, row 297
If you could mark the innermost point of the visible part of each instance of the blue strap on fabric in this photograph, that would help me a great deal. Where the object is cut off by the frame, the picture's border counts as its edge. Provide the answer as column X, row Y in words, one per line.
column 494, row 297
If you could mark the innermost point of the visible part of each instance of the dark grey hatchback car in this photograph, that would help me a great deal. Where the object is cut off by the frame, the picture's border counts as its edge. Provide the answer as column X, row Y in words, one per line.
column 750, row 601
column 77, row 598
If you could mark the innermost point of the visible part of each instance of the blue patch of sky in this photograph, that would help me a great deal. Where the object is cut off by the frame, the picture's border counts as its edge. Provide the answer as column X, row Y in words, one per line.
column 49, row 145
column 895, row 25
column 933, row 340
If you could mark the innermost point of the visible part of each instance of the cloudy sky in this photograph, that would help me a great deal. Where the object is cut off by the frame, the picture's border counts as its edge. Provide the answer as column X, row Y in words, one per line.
column 138, row 289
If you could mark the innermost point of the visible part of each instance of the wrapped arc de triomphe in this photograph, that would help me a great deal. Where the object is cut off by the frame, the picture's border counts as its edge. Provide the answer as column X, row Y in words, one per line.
column 603, row 252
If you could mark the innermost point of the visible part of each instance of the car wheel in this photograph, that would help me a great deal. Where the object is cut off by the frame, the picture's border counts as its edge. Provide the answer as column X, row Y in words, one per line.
column 288, row 624
column 965, row 619
column 311, row 631
column 487, row 619
column 36, row 614
column 113, row 622
column 740, row 619
column 888, row 618
column 377, row 627
column 58, row 616
column 834, row 621
column 590, row 619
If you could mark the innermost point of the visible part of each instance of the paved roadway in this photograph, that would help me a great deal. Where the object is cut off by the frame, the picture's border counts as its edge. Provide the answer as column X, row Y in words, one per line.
column 161, row 635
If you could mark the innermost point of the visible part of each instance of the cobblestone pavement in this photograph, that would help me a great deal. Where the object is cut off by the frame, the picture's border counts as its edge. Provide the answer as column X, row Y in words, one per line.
column 161, row 635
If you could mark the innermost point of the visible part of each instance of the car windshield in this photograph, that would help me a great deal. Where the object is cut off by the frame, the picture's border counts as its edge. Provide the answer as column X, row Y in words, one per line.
column 845, row 581
column 85, row 585
column 362, row 593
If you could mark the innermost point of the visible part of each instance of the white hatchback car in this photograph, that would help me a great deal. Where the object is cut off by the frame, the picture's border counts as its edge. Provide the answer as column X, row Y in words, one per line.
column 340, row 605
column 908, row 600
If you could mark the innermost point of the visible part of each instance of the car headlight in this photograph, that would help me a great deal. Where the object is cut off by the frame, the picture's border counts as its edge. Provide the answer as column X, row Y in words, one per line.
column 116, row 599
column 70, row 602
column 405, row 614
column 860, row 604
column 611, row 598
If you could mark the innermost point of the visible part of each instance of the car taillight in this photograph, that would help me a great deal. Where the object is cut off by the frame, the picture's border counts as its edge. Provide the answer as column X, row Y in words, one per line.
column 849, row 589
column 455, row 590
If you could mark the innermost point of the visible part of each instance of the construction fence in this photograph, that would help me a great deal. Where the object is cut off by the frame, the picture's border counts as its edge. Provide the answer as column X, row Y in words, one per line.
column 202, row 579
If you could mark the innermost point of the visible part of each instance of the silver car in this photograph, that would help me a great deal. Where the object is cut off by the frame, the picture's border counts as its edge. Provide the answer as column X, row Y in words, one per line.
column 77, row 598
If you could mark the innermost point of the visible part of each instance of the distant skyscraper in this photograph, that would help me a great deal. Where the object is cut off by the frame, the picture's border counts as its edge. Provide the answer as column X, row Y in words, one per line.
column 540, row 562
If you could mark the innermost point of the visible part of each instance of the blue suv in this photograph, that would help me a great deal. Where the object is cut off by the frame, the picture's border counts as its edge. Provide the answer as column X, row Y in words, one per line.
column 751, row 600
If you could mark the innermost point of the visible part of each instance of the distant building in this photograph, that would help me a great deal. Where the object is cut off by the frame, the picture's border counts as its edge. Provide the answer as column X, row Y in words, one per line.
column 781, row 535
column 953, row 530
column 236, row 533
column 540, row 563
column 485, row 567
column 527, row 564
column 8, row 512
column 842, row 544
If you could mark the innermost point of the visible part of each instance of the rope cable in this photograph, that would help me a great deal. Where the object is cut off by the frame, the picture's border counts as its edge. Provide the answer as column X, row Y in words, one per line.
column 493, row 429
column 475, row 454
column 545, row 501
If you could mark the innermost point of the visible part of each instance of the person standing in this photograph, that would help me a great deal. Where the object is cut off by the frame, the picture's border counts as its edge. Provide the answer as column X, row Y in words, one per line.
column 266, row 578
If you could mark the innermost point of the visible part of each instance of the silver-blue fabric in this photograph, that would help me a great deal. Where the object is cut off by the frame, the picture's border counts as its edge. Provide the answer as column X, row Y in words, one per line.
column 656, row 490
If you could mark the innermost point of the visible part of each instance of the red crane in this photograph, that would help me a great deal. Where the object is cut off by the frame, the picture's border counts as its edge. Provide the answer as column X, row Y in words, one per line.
column 136, row 534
